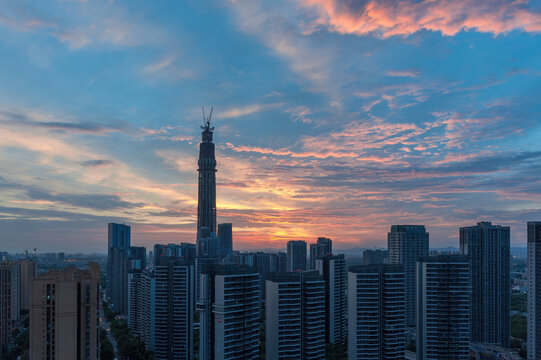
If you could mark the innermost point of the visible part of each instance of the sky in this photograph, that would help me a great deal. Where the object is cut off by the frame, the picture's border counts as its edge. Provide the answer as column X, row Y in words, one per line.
column 332, row 118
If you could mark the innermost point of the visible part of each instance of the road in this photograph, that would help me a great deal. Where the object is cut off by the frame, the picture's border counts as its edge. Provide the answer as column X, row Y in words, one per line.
column 107, row 327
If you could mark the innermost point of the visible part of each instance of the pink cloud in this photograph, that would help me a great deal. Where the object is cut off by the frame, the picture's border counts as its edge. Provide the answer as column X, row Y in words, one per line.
column 285, row 152
column 391, row 18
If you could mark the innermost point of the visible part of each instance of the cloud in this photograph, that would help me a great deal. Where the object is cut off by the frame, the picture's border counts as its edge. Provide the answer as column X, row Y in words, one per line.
column 489, row 122
column 33, row 118
column 300, row 113
column 168, row 68
column 246, row 110
column 160, row 64
column 84, row 24
column 96, row 163
column 280, row 27
column 387, row 18
column 402, row 73
column 91, row 201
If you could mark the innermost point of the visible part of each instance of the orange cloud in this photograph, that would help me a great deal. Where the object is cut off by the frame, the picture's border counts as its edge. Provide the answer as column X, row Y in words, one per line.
column 387, row 18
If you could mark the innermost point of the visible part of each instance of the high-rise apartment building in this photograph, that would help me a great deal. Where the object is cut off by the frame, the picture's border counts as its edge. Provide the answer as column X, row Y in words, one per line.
column 28, row 272
column 225, row 236
column 376, row 312
column 322, row 247
column 119, row 238
column 136, row 265
column 185, row 251
column 443, row 308
column 125, row 261
column 145, row 323
column 406, row 244
column 208, row 244
column 488, row 249
column 295, row 316
column 534, row 290
column 134, row 293
column 188, row 253
column 296, row 255
column 333, row 270
column 64, row 308
column 374, row 256
column 263, row 265
column 137, row 258
column 282, row 262
column 165, row 308
column 229, row 313
column 201, row 265
column 10, row 298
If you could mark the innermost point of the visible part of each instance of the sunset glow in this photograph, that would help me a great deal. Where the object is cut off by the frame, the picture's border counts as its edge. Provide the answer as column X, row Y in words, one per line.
column 332, row 118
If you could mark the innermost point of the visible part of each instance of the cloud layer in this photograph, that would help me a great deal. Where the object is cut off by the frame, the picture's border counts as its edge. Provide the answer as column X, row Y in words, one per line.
column 391, row 18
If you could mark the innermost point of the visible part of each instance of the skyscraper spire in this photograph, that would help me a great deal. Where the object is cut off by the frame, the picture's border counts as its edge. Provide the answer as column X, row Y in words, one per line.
column 206, row 208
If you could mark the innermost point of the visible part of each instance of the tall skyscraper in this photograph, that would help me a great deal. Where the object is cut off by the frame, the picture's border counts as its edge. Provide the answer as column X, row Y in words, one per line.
column 64, row 316
column 406, row 244
column 443, row 308
column 487, row 247
column 295, row 316
column 166, row 306
column 206, row 205
column 322, row 247
column 117, row 261
column 10, row 298
column 376, row 312
column 208, row 246
column 296, row 255
column 534, row 290
column 229, row 308
column 225, row 236
column 119, row 236
column 333, row 270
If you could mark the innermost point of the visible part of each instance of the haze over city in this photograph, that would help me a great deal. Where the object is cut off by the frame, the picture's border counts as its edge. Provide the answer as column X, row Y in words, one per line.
column 330, row 119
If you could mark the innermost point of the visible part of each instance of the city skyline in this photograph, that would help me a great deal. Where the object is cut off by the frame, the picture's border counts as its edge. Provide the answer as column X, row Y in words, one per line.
column 429, row 120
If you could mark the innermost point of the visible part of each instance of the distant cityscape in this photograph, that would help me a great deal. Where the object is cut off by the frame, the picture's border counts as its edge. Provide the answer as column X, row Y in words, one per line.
column 206, row 300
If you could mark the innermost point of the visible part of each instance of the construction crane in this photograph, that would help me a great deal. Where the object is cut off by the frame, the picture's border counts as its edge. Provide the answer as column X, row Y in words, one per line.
column 206, row 121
